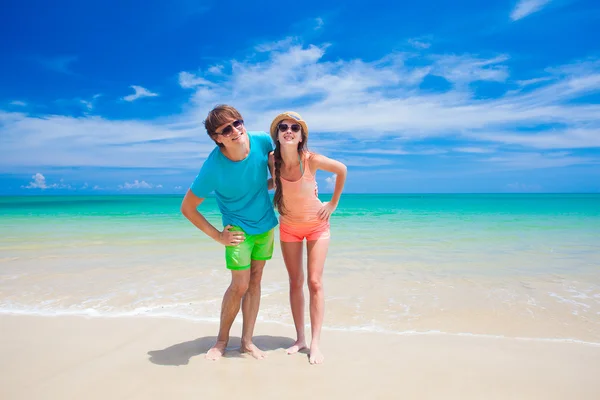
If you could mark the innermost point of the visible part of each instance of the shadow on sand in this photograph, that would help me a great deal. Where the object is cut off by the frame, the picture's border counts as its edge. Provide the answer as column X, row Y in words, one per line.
column 181, row 353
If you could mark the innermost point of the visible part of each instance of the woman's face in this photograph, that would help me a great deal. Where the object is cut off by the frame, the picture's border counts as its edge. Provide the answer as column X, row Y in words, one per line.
column 289, row 132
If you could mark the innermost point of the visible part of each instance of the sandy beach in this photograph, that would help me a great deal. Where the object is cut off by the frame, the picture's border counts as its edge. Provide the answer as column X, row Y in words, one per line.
column 152, row 358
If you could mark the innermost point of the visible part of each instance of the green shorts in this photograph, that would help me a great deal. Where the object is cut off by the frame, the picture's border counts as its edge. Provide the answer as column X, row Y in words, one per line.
column 254, row 247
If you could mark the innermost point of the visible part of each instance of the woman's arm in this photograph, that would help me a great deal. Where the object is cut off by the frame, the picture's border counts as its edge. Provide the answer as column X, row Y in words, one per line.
column 319, row 161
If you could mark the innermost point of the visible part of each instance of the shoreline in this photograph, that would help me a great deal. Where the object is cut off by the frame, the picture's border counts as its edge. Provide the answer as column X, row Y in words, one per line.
column 290, row 326
column 133, row 357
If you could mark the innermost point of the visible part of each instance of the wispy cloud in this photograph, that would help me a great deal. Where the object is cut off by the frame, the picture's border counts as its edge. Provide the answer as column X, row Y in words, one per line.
column 465, row 69
column 91, row 141
column 529, row 82
column 188, row 80
column 89, row 104
column 139, row 93
column 39, row 182
column 282, row 44
column 136, row 184
column 18, row 103
column 575, row 138
column 527, row 7
column 530, row 160
column 365, row 161
column 319, row 23
column 419, row 43
column 473, row 150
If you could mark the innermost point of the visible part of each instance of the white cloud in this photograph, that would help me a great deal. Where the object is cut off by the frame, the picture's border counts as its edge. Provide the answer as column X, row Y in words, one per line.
column 275, row 46
column 466, row 69
column 527, row 7
column 530, row 160
column 91, row 141
column 376, row 151
column 419, row 44
column 87, row 104
column 365, row 161
column 18, row 103
column 90, row 104
column 319, row 23
column 473, row 150
column 349, row 99
column 528, row 82
column 215, row 69
column 556, row 139
column 139, row 185
column 39, row 182
column 188, row 80
column 330, row 180
column 139, row 93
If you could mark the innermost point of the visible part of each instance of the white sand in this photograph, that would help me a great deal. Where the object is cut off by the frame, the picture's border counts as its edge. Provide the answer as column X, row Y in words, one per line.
column 152, row 358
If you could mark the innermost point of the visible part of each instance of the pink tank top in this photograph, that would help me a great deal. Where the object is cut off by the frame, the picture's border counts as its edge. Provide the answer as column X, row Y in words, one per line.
column 301, row 201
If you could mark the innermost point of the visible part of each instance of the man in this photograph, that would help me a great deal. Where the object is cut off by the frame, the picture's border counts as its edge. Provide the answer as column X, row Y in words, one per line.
column 236, row 171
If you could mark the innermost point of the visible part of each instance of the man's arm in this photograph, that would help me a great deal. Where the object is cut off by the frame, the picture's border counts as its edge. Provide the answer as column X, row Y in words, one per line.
column 189, row 208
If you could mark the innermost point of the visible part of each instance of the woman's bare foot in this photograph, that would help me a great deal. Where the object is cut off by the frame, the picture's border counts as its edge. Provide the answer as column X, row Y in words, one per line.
column 253, row 351
column 296, row 347
column 315, row 356
column 216, row 351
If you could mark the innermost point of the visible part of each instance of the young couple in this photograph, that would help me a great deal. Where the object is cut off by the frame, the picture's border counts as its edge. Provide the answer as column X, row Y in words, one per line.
column 236, row 171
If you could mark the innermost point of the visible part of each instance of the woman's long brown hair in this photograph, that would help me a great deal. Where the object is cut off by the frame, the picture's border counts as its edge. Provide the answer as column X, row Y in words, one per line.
column 302, row 149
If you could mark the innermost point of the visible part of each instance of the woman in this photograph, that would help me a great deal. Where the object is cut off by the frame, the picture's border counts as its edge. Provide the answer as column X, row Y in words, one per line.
column 303, row 216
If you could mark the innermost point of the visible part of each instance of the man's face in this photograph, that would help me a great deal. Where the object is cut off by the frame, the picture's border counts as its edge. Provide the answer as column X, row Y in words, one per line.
column 232, row 133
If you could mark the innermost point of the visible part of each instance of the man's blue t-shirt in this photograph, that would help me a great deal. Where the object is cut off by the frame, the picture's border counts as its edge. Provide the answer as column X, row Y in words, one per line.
column 240, row 186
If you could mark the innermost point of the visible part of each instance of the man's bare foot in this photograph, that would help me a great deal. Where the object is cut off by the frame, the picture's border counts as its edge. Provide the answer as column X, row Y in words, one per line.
column 315, row 356
column 296, row 347
column 216, row 351
column 253, row 351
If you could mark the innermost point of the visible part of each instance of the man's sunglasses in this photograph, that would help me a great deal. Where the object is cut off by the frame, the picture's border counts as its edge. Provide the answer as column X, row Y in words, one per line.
column 228, row 130
column 284, row 127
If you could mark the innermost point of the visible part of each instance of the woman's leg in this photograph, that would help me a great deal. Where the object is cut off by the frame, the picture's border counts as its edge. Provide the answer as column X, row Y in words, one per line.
column 292, row 256
column 317, row 252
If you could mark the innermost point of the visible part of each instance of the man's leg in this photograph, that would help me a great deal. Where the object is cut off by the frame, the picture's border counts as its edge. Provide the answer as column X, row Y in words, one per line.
column 230, row 307
column 250, row 306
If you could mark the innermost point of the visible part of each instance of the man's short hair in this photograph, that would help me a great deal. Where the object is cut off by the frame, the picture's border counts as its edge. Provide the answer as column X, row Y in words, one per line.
column 218, row 116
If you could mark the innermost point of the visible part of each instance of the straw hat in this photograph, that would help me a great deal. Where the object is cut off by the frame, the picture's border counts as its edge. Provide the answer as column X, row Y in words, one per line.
column 287, row 115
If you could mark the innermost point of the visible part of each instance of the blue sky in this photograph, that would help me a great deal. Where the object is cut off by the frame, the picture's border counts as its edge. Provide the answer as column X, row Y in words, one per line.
column 102, row 97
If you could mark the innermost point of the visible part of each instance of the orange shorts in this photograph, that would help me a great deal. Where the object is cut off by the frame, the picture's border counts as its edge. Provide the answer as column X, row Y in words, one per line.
column 289, row 233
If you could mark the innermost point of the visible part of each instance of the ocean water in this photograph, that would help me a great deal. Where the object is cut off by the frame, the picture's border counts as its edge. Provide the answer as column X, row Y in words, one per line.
column 502, row 265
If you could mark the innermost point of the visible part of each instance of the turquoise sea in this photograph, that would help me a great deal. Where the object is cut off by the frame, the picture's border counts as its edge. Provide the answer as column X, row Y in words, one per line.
column 518, row 265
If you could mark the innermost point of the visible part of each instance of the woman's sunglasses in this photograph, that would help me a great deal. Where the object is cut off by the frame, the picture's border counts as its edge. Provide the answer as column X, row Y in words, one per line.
column 284, row 127
column 228, row 130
